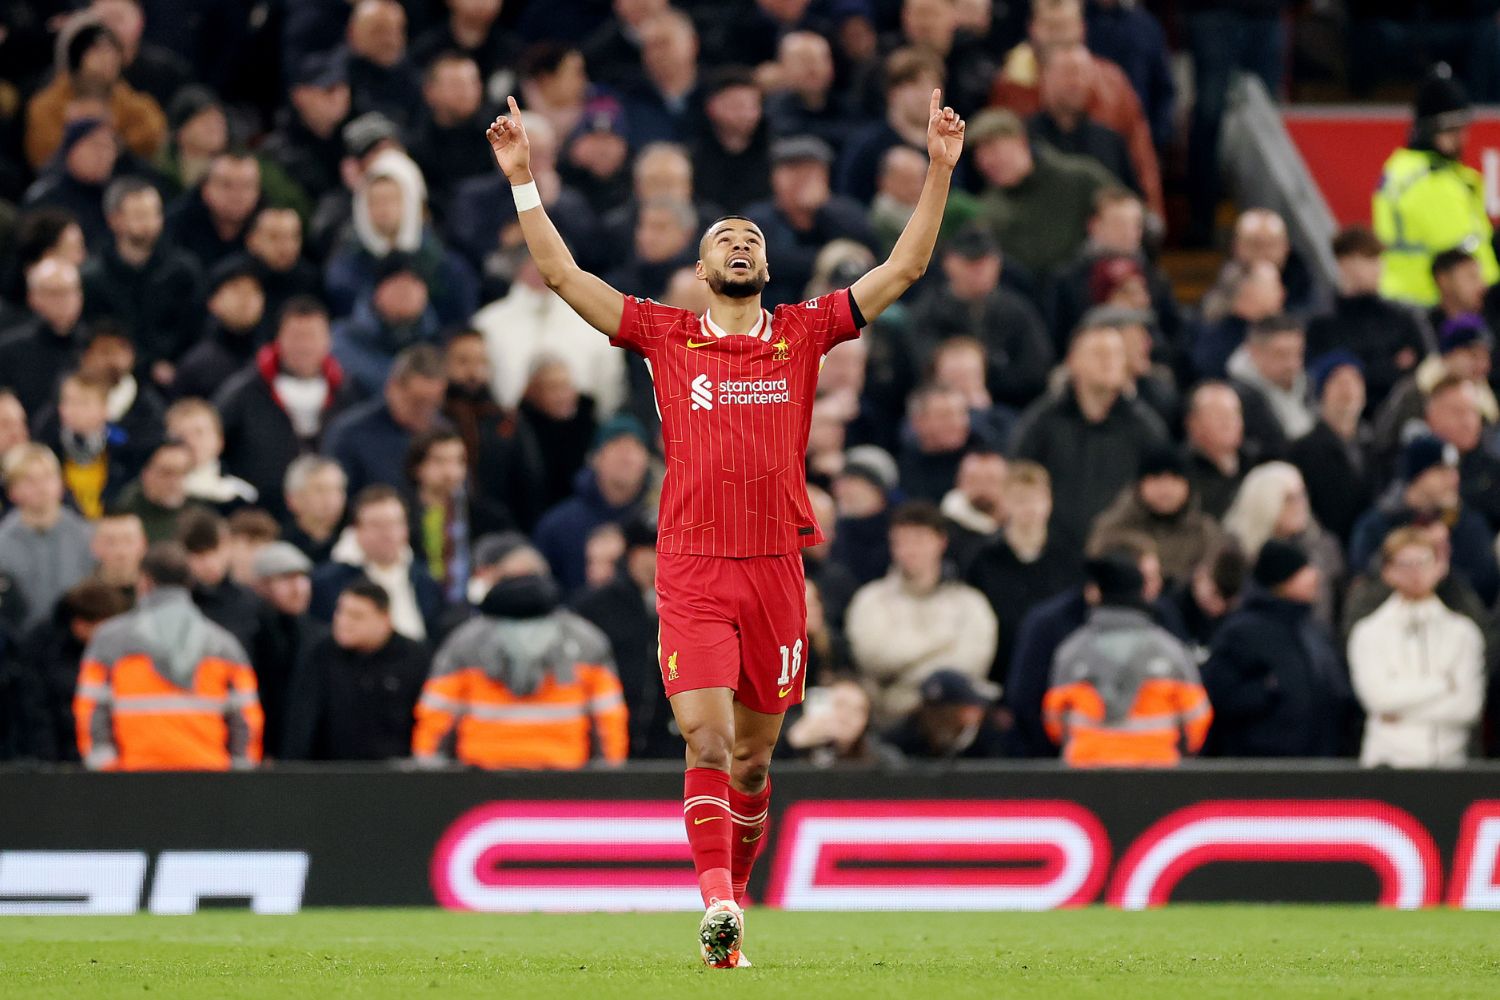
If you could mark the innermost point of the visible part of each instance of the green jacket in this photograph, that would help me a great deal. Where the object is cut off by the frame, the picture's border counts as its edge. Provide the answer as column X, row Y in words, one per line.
column 1043, row 221
column 1428, row 203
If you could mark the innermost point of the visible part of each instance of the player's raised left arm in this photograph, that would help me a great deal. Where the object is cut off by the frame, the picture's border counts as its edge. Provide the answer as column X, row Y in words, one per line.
column 887, row 282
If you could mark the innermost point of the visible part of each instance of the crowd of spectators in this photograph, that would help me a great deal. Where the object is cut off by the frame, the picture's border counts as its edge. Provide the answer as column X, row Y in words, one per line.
column 302, row 460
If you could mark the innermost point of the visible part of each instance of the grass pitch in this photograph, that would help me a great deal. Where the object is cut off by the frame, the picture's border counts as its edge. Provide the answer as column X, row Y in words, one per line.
column 1198, row 952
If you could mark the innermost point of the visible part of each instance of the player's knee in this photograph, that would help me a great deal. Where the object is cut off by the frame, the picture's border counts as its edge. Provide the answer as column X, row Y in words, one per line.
column 750, row 768
column 708, row 748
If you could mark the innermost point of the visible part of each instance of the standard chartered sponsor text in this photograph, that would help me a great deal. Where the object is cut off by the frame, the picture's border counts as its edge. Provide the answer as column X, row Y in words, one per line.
column 758, row 390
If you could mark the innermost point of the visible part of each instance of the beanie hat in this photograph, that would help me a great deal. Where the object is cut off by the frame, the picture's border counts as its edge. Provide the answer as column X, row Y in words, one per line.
column 75, row 132
column 1277, row 563
column 1161, row 460
column 1321, row 369
column 1424, row 453
column 188, row 103
column 1461, row 331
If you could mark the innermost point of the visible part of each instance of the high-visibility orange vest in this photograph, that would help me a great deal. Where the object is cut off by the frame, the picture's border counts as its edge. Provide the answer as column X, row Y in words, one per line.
column 136, row 713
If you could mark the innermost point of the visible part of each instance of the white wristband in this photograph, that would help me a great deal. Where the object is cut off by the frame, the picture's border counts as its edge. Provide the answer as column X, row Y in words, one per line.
column 526, row 196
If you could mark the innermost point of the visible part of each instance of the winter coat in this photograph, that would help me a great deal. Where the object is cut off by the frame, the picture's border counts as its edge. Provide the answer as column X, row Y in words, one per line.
column 619, row 610
column 563, row 532
column 156, row 304
column 347, row 705
column 1472, row 542
column 1340, row 476
column 1182, row 539
column 1018, row 350
column 1014, row 587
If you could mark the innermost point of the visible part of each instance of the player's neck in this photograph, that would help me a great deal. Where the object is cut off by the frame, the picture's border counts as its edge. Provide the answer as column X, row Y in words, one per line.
column 736, row 316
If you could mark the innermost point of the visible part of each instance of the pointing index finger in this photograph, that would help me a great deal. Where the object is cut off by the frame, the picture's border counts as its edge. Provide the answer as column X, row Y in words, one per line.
column 937, row 101
column 515, row 109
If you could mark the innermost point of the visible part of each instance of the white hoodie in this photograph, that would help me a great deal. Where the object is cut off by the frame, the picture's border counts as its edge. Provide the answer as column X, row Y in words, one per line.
column 1423, row 664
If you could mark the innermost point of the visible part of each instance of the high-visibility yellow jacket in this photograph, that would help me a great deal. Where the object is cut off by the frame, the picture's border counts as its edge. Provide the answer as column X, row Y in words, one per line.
column 1428, row 203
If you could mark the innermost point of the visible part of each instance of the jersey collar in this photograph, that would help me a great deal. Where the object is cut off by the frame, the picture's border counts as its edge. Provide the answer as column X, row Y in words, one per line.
column 761, row 329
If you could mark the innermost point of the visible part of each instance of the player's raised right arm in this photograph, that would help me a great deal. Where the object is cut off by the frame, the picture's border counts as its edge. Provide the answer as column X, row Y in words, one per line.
column 592, row 298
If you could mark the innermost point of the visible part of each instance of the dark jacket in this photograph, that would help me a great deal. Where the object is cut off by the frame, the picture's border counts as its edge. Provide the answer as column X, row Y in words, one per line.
column 1103, row 145
column 56, row 188
column 452, row 288
column 1089, row 462
column 1340, row 476
column 160, row 522
column 233, row 607
column 733, row 180
column 366, row 343
column 1017, row 348
column 621, row 613
column 563, row 531
column 317, row 552
column 132, row 438
column 156, row 304
column 329, row 581
column 214, row 361
column 863, row 546
column 48, row 658
column 1376, row 330
column 563, row 446
column 33, row 359
column 1070, row 298
column 311, row 162
column 394, row 91
column 366, row 440
column 988, row 742
column 482, row 207
column 259, row 439
column 1013, row 588
column 450, row 154
column 355, row 706
column 1277, row 684
column 504, row 457
column 1214, row 489
column 794, row 250
column 190, row 227
column 282, row 649
column 1472, row 542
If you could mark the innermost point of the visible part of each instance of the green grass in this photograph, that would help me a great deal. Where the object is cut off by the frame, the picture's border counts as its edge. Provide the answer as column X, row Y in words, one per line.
column 1198, row 952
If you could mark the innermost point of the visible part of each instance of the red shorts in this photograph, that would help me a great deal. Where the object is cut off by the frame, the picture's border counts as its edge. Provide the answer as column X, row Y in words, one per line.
column 734, row 623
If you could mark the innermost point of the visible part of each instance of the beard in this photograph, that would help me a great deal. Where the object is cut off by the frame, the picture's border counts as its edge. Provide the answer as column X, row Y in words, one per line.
column 737, row 288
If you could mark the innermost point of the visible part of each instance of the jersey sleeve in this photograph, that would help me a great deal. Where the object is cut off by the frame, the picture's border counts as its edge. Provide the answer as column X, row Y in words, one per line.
column 643, row 323
column 839, row 318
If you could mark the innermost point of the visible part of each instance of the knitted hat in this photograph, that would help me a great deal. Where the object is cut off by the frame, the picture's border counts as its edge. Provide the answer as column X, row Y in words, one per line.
column 1424, row 453
column 1277, row 563
column 618, row 426
column 396, row 262
column 1161, row 460
column 238, row 265
column 949, row 687
column 1321, row 369
column 1461, row 331
column 188, row 103
column 972, row 242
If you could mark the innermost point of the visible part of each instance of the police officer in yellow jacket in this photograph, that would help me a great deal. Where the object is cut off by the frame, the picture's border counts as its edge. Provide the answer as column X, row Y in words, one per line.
column 1428, row 201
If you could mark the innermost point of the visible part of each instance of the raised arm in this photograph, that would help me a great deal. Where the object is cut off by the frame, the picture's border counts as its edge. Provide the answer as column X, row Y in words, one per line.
column 600, row 305
column 887, row 282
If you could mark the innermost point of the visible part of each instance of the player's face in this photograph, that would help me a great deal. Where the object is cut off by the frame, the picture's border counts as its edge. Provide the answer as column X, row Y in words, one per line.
column 732, row 259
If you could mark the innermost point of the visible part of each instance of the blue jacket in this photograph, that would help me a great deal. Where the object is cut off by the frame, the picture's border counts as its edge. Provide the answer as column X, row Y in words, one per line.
column 451, row 283
column 1472, row 542
column 369, row 444
column 563, row 531
column 329, row 581
column 365, row 345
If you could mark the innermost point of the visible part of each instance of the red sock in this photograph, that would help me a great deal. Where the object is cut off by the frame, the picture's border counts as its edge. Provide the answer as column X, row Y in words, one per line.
column 751, row 817
column 705, row 814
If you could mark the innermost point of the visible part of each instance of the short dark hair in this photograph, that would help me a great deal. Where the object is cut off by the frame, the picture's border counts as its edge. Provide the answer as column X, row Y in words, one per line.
column 38, row 231
column 423, row 443
column 919, row 514
column 1448, row 260
column 909, row 64
column 1357, row 241
column 444, row 57
column 371, row 591
column 200, row 530
column 372, row 495
column 543, row 58
column 1227, row 567
column 298, row 306
column 121, row 188
column 166, row 565
column 255, row 524
column 1270, row 326
column 94, row 601
column 1133, row 545
column 418, row 361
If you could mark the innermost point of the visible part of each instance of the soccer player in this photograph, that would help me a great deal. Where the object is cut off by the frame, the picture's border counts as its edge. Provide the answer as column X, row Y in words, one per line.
column 735, row 389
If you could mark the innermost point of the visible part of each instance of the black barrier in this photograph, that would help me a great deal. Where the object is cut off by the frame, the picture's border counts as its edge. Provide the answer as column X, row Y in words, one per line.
column 976, row 838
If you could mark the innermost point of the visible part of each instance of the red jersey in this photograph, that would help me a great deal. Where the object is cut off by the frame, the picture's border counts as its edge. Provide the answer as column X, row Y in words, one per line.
column 735, row 414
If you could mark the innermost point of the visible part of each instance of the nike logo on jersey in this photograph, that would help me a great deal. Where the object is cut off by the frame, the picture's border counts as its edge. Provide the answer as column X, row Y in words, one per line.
column 705, row 819
column 694, row 345
column 783, row 692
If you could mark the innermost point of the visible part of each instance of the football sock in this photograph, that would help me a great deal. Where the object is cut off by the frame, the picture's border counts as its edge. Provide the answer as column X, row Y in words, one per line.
column 705, row 814
column 751, row 816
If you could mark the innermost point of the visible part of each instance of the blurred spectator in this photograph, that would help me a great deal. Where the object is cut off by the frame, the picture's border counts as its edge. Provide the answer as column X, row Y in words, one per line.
column 803, row 215
column 1459, row 280
column 664, row 242
column 1429, row 488
column 1207, row 597
column 187, row 700
column 1336, row 457
column 354, row 694
column 446, row 515
column 49, row 660
column 974, row 508
column 1037, row 201
column 377, row 547
column 520, row 656
column 1382, row 335
column 862, row 491
column 1254, row 293
column 306, row 142
column 146, row 285
column 210, row 220
column 389, row 227
column 1416, row 666
column 971, row 302
column 1261, row 237
column 624, row 609
column 834, row 581
column 596, row 156
column 1057, row 26
column 75, row 178
column 396, row 315
column 315, row 491
column 1463, row 352
column 1429, row 201
column 969, row 65
column 250, row 530
column 614, row 51
column 1267, row 371
column 612, row 488
column 118, row 546
column 274, row 242
column 1160, row 504
column 159, row 494
column 1062, row 121
column 13, row 429
column 86, row 446
column 665, row 105
column 1453, row 417
column 952, row 721
column 918, row 619
column 941, row 435
column 662, row 171
column 1272, row 505
column 288, row 633
column 34, row 355
column 200, row 132
column 1152, row 382
column 135, row 409
column 150, row 68
column 732, row 154
column 380, row 76
column 602, row 554
column 1277, row 684
column 370, row 440
column 1026, row 564
column 472, row 28
column 807, row 102
column 278, row 406
column 44, row 546
column 444, row 138
column 196, row 424
column 1226, row 37
column 205, row 537
column 834, row 728
column 553, row 84
column 898, row 187
column 563, row 423
column 504, row 457
column 1088, row 435
column 911, row 75
column 40, row 233
column 1131, row 37
column 531, row 320
column 1125, row 692
column 89, row 63
column 236, row 307
column 362, row 140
